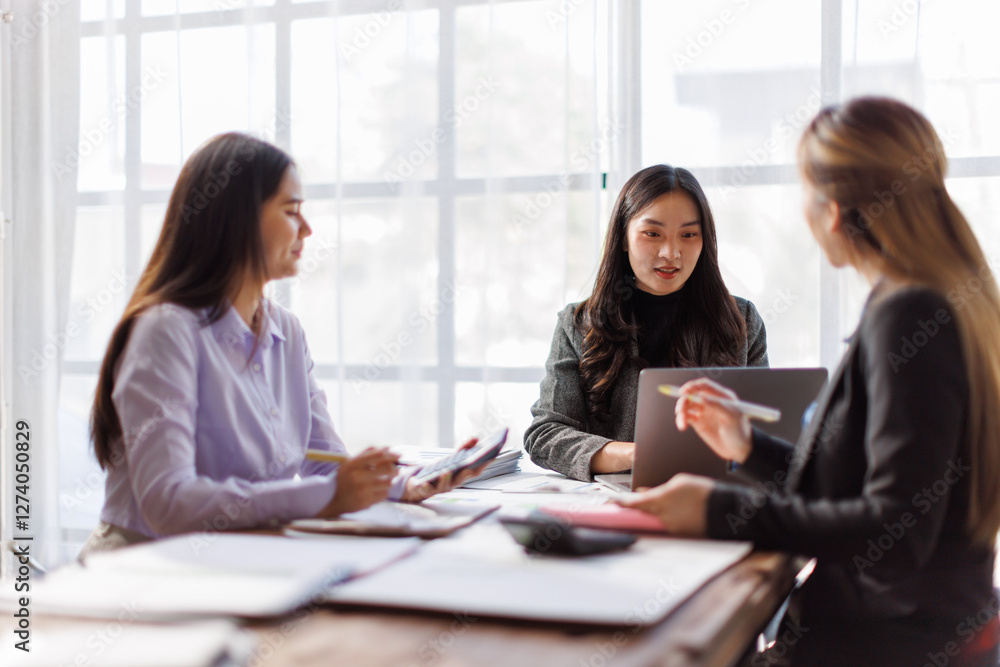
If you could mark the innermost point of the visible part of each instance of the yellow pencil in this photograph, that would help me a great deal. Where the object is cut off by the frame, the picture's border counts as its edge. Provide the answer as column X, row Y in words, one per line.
column 326, row 457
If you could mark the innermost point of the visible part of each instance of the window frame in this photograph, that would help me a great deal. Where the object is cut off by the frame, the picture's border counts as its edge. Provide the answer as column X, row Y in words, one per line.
column 446, row 188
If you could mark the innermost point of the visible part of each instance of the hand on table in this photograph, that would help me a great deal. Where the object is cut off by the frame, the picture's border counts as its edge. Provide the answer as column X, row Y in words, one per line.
column 614, row 456
column 680, row 503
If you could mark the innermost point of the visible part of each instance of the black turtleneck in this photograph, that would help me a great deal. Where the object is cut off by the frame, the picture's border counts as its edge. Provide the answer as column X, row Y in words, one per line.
column 655, row 316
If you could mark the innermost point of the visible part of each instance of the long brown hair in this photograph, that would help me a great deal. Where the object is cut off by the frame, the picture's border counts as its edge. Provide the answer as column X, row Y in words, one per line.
column 709, row 328
column 209, row 245
column 883, row 164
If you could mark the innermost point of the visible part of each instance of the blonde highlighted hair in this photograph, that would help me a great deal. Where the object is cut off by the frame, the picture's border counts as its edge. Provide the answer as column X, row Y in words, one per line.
column 883, row 164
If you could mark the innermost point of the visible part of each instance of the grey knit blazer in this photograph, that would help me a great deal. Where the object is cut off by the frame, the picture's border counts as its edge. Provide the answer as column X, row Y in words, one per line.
column 563, row 436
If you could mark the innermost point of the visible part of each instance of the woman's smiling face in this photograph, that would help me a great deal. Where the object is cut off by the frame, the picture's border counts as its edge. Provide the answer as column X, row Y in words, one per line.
column 664, row 243
column 283, row 228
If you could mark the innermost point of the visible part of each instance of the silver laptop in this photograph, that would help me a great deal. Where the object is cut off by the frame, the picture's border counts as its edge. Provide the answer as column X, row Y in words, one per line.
column 661, row 451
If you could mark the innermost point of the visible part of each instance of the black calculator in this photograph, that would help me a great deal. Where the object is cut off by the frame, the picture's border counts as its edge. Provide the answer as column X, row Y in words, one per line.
column 463, row 459
column 541, row 533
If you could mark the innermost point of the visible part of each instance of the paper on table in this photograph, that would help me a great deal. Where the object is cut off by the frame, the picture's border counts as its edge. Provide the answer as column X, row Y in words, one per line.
column 521, row 502
column 484, row 572
column 533, row 500
column 206, row 573
column 420, row 456
column 126, row 645
column 532, row 482
column 429, row 519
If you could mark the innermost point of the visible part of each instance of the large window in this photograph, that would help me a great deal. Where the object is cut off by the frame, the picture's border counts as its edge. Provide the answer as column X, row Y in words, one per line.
column 729, row 85
column 460, row 158
column 453, row 151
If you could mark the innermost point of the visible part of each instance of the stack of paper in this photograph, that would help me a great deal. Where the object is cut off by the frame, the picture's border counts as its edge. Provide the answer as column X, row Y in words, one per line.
column 506, row 462
column 207, row 574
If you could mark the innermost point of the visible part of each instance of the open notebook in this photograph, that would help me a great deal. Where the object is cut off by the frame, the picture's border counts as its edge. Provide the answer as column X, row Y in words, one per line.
column 208, row 574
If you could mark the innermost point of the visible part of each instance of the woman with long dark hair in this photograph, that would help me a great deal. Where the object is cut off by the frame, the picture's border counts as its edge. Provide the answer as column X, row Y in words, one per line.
column 206, row 401
column 659, row 300
column 894, row 486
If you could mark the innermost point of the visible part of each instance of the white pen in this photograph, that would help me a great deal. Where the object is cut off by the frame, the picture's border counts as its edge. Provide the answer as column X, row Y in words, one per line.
column 21, row 552
column 752, row 410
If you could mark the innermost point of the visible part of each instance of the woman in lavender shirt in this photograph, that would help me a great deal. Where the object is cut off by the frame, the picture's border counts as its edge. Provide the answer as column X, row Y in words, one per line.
column 206, row 400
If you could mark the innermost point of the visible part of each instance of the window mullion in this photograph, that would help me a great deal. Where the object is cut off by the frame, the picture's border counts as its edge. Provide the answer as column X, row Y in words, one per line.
column 830, row 279
column 283, row 104
column 446, row 227
column 133, row 146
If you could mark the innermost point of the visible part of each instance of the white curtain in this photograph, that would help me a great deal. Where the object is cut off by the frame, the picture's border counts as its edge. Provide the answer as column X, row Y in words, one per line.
column 41, row 49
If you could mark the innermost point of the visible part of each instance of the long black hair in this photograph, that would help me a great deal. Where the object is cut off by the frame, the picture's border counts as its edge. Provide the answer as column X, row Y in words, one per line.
column 708, row 329
column 209, row 246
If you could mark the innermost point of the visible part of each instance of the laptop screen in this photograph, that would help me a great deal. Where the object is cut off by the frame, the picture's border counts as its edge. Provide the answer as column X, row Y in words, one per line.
column 661, row 451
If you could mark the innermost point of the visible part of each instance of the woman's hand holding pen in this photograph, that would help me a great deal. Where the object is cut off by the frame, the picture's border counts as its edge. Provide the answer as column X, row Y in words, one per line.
column 362, row 481
column 725, row 429
column 416, row 492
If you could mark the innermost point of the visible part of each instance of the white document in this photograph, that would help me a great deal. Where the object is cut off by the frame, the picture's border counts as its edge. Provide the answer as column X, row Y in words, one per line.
column 482, row 571
column 385, row 514
column 527, row 499
column 432, row 518
column 207, row 574
column 104, row 644
column 532, row 482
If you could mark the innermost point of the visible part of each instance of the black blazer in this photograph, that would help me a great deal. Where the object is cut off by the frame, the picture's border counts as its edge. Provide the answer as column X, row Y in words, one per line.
column 876, row 490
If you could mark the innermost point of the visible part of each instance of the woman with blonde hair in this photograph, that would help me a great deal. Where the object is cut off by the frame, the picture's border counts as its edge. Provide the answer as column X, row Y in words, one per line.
column 894, row 487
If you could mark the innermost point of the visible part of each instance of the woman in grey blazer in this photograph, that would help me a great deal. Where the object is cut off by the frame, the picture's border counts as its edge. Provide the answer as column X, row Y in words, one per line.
column 658, row 300
column 894, row 487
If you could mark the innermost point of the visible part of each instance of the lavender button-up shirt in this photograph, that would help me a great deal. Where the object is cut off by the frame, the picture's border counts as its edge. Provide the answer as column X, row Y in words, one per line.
column 213, row 439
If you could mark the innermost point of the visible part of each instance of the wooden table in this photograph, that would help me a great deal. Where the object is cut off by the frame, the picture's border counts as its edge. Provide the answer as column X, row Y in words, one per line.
column 712, row 628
